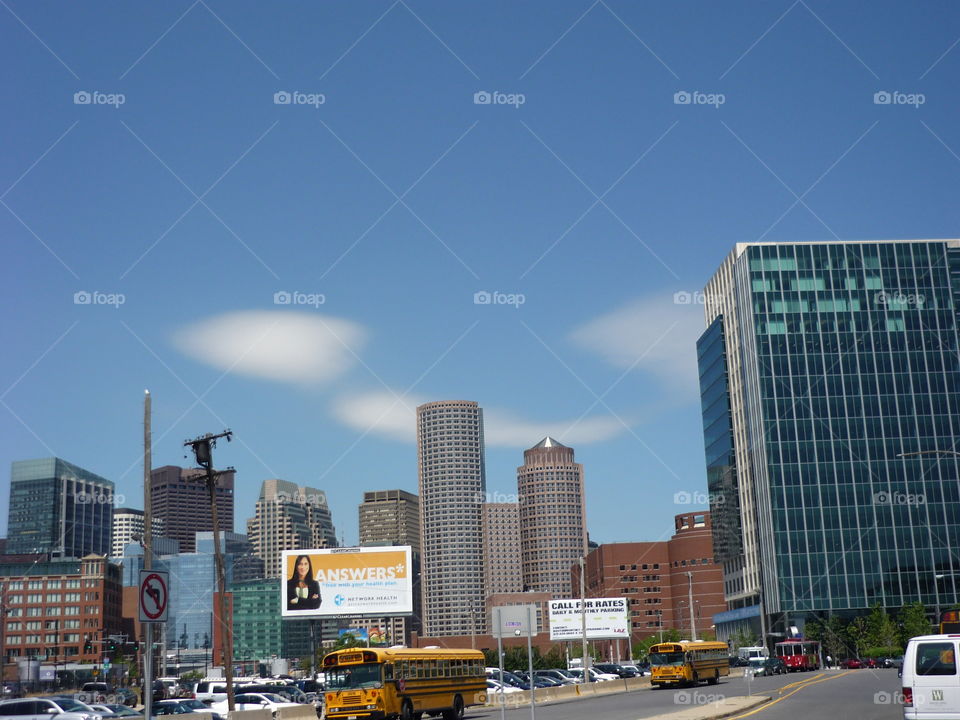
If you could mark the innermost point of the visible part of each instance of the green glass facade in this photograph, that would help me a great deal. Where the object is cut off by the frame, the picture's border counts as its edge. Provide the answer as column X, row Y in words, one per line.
column 848, row 359
column 60, row 508
column 258, row 630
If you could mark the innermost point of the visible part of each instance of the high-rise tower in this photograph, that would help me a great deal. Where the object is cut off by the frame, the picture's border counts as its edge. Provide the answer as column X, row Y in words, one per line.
column 58, row 508
column 452, row 490
column 830, row 387
column 180, row 498
column 289, row 517
column 553, row 526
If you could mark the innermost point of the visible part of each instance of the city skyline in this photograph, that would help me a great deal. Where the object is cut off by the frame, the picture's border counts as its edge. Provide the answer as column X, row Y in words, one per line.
column 182, row 213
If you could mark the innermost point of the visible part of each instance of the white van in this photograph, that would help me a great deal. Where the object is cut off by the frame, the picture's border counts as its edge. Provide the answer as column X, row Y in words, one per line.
column 931, row 685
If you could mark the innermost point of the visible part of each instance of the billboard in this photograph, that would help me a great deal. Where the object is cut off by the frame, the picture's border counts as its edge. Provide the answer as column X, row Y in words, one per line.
column 339, row 582
column 606, row 618
column 371, row 637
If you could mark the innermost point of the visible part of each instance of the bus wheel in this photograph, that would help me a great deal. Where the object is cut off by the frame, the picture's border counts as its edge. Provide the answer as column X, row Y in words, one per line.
column 406, row 710
column 456, row 713
column 715, row 679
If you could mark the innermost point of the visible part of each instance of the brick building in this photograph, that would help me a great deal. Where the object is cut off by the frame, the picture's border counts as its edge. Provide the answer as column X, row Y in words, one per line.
column 61, row 610
column 654, row 577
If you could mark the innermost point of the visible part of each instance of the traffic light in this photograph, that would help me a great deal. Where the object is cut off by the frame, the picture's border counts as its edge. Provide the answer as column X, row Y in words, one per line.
column 111, row 645
column 87, row 646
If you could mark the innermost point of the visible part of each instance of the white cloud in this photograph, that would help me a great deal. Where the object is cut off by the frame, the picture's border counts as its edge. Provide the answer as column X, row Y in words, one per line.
column 654, row 334
column 380, row 412
column 276, row 345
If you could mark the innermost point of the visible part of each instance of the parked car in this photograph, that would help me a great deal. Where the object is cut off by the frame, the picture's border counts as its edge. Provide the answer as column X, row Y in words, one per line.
column 615, row 669
column 42, row 708
column 851, row 663
column 736, row 661
column 594, row 675
column 254, row 701
column 771, row 666
column 290, row 693
column 557, row 675
column 113, row 710
column 189, row 705
column 210, row 691
column 495, row 687
column 638, row 670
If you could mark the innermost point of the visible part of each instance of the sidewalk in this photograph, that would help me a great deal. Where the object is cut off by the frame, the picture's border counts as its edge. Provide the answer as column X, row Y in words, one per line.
column 716, row 710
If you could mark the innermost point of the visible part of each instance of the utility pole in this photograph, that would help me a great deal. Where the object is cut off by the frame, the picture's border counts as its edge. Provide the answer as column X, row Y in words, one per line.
column 583, row 620
column 147, row 552
column 203, row 451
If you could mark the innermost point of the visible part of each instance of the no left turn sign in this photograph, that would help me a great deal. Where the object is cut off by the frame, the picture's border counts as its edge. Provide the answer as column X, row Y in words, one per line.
column 154, row 595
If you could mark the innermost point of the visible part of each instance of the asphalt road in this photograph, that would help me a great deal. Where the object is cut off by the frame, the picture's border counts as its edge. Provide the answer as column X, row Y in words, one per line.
column 854, row 695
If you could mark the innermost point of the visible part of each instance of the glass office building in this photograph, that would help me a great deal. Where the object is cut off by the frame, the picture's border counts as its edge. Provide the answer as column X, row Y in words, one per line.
column 259, row 631
column 824, row 369
column 59, row 508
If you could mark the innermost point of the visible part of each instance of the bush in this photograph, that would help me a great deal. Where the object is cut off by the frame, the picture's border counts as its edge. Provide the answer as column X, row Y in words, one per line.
column 881, row 652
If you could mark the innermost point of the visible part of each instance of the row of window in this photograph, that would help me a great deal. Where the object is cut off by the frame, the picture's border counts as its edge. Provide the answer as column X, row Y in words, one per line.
column 51, row 584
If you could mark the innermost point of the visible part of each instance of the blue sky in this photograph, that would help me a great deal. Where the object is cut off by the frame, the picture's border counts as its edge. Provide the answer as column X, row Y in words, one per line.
column 383, row 188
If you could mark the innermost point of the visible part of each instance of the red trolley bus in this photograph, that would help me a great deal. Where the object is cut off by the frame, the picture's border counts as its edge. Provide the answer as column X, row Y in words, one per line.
column 799, row 654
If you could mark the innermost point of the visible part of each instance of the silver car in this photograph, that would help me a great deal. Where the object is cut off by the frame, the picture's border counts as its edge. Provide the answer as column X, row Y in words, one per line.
column 57, row 708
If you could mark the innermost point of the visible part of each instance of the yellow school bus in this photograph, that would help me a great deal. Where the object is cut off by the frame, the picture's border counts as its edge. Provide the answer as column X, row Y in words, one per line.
column 375, row 684
column 687, row 663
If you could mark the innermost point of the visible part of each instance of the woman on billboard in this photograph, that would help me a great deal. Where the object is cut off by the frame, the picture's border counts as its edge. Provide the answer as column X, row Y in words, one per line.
column 303, row 592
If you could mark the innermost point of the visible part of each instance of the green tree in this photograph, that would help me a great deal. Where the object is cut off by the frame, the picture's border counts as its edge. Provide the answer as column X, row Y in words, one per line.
column 882, row 636
column 857, row 635
column 912, row 621
column 832, row 634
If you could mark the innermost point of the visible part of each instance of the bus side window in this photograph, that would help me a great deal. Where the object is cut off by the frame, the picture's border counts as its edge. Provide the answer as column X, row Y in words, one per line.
column 388, row 671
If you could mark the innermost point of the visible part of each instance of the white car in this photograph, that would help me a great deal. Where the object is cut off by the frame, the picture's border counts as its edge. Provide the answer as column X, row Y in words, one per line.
column 594, row 675
column 495, row 687
column 254, row 701
column 47, row 708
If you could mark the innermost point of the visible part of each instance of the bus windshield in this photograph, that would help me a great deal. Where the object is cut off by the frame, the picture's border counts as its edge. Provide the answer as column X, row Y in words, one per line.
column 675, row 658
column 354, row 676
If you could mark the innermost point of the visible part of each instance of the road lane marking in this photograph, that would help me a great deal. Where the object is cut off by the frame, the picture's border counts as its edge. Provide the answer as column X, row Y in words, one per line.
column 801, row 685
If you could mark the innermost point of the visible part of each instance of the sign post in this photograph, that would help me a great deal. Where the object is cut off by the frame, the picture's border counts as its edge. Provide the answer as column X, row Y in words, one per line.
column 154, row 602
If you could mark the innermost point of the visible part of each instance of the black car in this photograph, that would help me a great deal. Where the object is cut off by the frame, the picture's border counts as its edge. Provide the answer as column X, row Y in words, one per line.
column 614, row 669
column 772, row 666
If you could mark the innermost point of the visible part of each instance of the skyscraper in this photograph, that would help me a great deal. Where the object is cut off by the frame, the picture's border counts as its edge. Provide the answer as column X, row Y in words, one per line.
column 289, row 517
column 824, row 369
column 452, row 488
column 392, row 517
column 180, row 498
column 128, row 522
column 58, row 508
column 501, row 554
column 553, row 528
